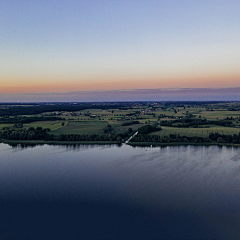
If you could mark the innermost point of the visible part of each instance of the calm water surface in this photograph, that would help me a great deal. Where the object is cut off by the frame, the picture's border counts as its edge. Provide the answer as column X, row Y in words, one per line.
column 119, row 192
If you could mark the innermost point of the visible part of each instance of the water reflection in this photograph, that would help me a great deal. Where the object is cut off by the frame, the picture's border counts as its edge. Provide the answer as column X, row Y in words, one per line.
column 67, row 147
column 112, row 192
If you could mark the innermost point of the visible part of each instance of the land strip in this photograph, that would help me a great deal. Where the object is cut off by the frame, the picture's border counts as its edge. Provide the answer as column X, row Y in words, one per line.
column 170, row 123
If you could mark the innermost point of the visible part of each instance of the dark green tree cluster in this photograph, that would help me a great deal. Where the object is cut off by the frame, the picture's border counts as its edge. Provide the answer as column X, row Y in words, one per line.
column 108, row 129
column 23, row 134
column 130, row 123
column 172, row 138
column 222, row 138
column 194, row 122
column 148, row 128
column 41, row 134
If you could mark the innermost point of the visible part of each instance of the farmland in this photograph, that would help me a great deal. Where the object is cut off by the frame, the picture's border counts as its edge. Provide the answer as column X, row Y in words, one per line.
column 83, row 127
column 200, row 132
column 52, row 125
column 121, row 120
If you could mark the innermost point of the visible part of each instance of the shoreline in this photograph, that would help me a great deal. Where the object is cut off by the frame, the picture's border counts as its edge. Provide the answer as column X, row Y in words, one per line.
column 182, row 144
column 31, row 142
column 40, row 142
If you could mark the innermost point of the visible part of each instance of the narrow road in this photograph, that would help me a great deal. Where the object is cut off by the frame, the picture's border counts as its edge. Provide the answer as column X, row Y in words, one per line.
column 131, row 137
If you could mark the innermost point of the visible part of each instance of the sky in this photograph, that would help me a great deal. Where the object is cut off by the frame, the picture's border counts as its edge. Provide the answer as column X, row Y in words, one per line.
column 58, row 48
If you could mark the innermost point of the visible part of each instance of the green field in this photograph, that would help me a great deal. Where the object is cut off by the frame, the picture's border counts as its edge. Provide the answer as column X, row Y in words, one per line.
column 82, row 127
column 200, row 132
column 52, row 125
column 218, row 114
column 121, row 129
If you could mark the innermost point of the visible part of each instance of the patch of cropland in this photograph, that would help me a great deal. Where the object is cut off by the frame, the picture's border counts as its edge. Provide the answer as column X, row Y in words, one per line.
column 199, row 132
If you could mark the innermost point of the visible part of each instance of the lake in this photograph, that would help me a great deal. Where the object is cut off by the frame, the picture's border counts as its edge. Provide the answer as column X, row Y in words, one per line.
column 119, row 192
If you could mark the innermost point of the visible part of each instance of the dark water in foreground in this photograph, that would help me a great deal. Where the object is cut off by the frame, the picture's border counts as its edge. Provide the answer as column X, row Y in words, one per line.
column 112, row 192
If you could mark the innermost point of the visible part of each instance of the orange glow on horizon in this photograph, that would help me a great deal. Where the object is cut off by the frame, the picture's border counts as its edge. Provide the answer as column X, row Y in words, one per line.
column 10, row 86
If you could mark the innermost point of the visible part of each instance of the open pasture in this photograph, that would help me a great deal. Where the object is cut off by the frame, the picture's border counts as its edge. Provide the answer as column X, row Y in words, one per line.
column 199, row 132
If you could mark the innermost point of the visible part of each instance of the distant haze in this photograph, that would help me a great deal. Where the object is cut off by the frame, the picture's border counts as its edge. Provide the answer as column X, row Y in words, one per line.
column 181, row 94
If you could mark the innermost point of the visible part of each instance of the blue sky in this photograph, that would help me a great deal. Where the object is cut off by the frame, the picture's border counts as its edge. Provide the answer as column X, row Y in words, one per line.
column 64, row 46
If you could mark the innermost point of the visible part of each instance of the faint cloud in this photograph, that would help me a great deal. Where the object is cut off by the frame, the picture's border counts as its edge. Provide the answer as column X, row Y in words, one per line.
column 125, row 95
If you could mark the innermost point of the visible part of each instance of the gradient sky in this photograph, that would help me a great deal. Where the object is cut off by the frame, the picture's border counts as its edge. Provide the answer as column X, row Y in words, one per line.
column 61, row 46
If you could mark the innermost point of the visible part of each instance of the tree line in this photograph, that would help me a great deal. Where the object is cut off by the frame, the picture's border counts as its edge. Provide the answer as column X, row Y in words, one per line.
column 130, row 123
column 173, row 138
column 42, row 134
column 14, row 109
column 188, row 122
column 168, row 139
column 21, row 120
column 225, row 138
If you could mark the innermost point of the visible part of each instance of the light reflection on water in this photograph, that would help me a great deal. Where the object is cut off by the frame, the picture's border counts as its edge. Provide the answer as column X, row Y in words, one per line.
column 144, row 191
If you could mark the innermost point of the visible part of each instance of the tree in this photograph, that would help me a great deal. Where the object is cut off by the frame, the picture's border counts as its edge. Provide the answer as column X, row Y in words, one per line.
column 119, row 139
column 108, row 129
column 220, row 140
